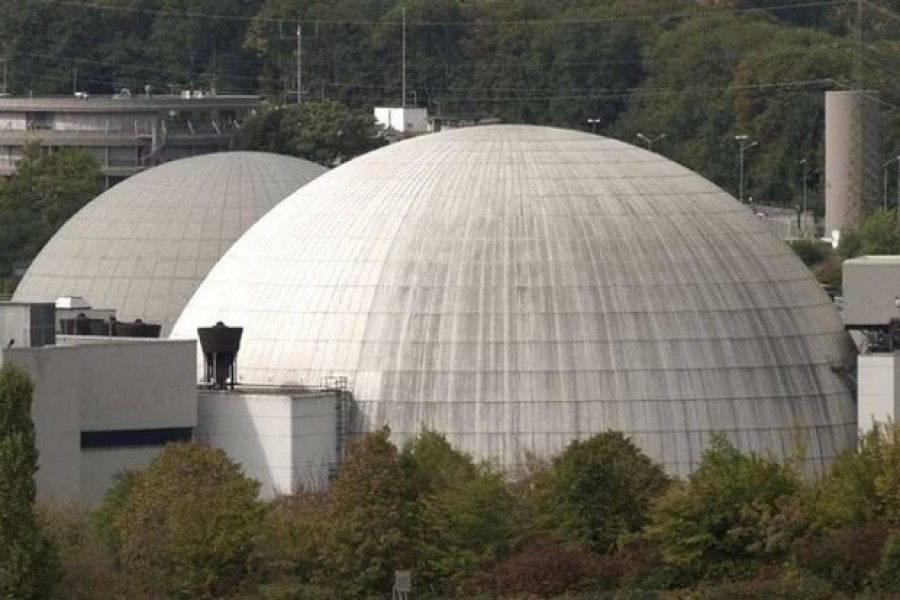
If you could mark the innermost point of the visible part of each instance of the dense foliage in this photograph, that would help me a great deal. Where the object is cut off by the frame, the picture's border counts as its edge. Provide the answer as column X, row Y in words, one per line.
column 741, row 526
column 697, row 72
column 45, row 192
column 26, row 559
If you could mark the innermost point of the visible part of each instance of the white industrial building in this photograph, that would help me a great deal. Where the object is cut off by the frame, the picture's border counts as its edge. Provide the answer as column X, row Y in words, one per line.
column 871, row 309
column 512, row 287
column 104, row 405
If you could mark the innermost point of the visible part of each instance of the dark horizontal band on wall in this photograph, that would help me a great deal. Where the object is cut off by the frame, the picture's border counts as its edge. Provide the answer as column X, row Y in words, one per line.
column 129, row 438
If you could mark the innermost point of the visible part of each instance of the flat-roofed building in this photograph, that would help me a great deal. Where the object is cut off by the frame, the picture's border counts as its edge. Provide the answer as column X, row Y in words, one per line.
column 126, row 133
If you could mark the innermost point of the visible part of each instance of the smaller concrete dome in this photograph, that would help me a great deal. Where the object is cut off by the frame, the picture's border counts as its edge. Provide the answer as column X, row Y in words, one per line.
column 144, row 246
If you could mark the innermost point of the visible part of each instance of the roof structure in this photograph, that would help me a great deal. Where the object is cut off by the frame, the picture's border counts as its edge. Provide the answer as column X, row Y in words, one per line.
column 144, row 246
column 517, row 287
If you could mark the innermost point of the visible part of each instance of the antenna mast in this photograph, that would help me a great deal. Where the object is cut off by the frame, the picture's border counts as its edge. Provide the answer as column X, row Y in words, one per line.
column 403, row 102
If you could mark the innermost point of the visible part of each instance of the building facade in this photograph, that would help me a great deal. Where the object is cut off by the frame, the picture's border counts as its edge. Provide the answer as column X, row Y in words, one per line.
column 126, row 133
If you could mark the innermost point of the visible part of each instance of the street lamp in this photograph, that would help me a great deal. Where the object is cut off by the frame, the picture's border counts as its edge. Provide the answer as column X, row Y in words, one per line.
column 885, row 178
column 744, row 145
column 803, row 162
column 649, row 140
column 593, row 123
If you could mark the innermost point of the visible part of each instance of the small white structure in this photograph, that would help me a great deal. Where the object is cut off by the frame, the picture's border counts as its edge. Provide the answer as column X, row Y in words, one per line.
column 871, row 306
column 871, row 291
column 879, row 389
column 284, row 438
column 403, row 120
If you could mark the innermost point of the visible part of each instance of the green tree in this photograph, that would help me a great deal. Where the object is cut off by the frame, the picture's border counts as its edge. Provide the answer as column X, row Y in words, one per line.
column 597, row 491
column 847, row 495
column 374, row 519
column 27, row 562
column 467, row 513
column 189, row 526
column 719, row 520
column 880, row 233
column 324, row 132
column 43, row 194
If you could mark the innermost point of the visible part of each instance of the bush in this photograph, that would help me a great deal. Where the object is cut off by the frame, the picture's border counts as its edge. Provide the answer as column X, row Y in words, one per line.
column 843, row 557
column 810, row 252
column 887, row 576
column 805, row 588
column 548, row 569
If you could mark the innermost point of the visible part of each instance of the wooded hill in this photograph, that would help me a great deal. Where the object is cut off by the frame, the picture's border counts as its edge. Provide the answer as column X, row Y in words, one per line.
column 698, row 74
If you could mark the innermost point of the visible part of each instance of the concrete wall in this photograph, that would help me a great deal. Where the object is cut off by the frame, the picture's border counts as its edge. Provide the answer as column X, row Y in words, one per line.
column 284, row 440
column 879, row 389
column 124, row 385
column 871, row 290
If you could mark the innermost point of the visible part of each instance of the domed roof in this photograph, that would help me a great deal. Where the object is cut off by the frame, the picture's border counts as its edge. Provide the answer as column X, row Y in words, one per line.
column 516, row 287
column 143, row 246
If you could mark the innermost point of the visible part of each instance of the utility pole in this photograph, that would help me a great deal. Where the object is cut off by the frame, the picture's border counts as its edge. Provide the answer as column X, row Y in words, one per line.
column 745, row 144
column 299, row 64
column 3, row 84
column 74, row 81
column 857, row 58
column 803, row 214
column 403, row 58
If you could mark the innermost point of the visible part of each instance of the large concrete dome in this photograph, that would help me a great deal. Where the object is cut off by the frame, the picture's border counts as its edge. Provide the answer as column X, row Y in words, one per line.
column 517, row 287
column 144, row 246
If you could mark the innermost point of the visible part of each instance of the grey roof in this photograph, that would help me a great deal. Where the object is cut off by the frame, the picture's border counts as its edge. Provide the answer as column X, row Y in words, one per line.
column 144, row 246
column 517, row 287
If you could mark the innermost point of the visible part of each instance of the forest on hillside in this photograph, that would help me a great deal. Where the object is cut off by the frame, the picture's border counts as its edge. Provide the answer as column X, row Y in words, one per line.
column 696, row 73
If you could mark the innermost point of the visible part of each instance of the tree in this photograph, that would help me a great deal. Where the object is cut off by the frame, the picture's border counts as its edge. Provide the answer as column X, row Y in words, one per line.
column 189, row 525
column 27, row 563
column 374, row 519
column 722, row 518
column 324, row 132
column 467, row 513
column 43, row 194
column 597, row 491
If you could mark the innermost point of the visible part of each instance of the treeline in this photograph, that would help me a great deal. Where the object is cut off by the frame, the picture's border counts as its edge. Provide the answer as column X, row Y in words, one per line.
column 600, row 520
column 697, row 74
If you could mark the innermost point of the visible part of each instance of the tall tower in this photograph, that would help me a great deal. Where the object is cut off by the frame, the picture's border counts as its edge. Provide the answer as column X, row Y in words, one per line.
column 852, row 159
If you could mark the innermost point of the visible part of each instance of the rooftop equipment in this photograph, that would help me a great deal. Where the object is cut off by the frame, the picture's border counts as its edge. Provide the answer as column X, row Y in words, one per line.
column 220, row 346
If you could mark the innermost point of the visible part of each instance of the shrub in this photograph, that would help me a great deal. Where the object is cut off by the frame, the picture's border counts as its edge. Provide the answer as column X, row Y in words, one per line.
column 810, row 252
column 547, row 569
column 843, row 557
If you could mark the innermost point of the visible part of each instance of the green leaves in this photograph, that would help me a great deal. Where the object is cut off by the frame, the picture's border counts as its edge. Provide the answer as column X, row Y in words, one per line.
column 189, row 524
column 43, row 194
column 27, row 563
column 597, row 491
column 324, row 132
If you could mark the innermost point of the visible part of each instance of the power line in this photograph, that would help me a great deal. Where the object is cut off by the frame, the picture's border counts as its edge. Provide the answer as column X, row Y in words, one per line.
column 699, row 11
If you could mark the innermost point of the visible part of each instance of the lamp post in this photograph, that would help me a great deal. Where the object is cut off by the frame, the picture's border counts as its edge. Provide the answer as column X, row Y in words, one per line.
column 884, row 168
column 803, row 162
column 649, row 140
column 593, row 123
column 744, row 145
